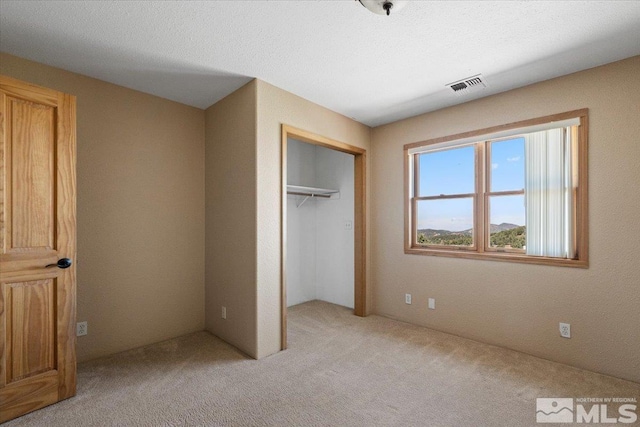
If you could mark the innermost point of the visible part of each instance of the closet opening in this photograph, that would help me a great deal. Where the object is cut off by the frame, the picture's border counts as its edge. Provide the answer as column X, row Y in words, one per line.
column 323, row 223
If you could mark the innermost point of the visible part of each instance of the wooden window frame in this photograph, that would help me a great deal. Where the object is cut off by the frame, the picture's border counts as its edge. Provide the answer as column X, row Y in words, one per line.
column 480, row 248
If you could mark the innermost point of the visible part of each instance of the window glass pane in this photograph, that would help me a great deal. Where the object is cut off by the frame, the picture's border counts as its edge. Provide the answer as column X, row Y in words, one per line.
column 445, row 222
column 507, row 165
column 507, row 214
column 447, row 172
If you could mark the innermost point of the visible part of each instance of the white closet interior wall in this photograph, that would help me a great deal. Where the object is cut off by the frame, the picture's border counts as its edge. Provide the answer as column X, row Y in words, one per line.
column 320, row 237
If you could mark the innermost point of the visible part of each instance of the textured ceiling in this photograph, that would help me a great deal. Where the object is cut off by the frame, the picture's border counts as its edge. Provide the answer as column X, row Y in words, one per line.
column 374, row 68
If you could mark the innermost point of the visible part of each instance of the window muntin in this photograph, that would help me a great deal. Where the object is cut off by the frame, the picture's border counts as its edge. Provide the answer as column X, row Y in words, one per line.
column 500, row 207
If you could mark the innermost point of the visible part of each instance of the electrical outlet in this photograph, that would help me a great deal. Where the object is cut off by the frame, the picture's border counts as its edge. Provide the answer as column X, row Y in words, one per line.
column 565, row 330
column 224, row 312
column 348, row 225
column 407, row 298
column 81, row 329
column 432, row 304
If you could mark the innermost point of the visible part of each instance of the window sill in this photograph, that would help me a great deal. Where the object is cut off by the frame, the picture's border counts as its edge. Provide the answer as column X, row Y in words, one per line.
column 499, row 256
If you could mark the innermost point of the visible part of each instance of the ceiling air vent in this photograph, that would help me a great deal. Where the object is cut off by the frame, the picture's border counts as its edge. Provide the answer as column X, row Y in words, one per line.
column 468, row 85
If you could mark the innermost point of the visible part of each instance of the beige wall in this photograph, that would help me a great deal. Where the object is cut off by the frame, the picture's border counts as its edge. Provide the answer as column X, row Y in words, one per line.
column 140, row 211
column 243, row 204
column 517, row 305
column 231, row 218
column 277, row 107
column 142, row 256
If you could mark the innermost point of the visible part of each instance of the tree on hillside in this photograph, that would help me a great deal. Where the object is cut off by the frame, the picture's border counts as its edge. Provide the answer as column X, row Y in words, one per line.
column 515, row 238
column 449, row 239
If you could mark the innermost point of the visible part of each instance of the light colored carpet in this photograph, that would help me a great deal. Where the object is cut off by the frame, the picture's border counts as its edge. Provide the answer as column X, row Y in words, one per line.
column 340, row 370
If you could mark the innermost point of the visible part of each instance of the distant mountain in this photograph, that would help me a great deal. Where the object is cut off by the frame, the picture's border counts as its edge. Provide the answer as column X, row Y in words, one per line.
column 429, row 232
column 503, row 235
column 502, row 227
column 495, row 228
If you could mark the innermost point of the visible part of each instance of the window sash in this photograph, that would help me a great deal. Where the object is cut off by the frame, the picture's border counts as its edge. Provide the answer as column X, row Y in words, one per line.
column 414, row 199
column 488, row 193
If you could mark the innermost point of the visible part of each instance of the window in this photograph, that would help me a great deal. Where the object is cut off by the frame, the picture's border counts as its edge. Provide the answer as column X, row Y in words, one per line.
column 515, row 192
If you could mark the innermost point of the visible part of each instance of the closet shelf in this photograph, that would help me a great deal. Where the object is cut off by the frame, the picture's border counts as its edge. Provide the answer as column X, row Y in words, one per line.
column 310, row 192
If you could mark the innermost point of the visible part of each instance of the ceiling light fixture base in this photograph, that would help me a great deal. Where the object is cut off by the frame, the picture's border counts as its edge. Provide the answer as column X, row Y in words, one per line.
column 383, row 7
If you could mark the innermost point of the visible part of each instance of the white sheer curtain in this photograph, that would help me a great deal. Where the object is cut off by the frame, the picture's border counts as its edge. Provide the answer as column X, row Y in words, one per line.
column 548, row 193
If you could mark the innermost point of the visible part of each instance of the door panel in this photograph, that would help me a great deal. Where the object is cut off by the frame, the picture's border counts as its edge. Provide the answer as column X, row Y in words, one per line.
column 31, row 153
column 30, row 328
column 37, row 227
column 28, row 395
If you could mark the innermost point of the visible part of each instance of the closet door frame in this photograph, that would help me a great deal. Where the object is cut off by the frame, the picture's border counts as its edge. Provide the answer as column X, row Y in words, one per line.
column 359, row 226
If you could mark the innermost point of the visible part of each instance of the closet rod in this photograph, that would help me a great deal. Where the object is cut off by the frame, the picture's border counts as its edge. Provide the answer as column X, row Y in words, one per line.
column 310, row 192
column 295, row 193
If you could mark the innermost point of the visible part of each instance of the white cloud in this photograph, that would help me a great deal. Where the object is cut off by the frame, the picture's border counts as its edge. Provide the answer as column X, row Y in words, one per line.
column 494, row 166
column 513, row 159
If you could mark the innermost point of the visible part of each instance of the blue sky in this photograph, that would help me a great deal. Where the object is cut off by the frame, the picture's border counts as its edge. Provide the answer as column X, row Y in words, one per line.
column 452, row 172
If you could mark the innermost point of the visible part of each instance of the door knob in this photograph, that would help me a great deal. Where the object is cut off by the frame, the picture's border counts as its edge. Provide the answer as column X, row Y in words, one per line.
column 62, row 263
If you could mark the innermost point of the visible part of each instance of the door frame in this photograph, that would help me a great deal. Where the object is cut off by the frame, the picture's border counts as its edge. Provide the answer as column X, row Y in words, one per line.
column 359, row 223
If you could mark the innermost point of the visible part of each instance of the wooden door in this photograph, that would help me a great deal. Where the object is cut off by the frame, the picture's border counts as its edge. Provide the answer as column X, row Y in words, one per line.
column 37, row 228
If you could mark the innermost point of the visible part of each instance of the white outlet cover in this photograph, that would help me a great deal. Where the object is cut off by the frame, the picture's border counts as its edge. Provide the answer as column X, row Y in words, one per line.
column 81, row 329
column 407, row 298
column 432, row 303
column 565, row 330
